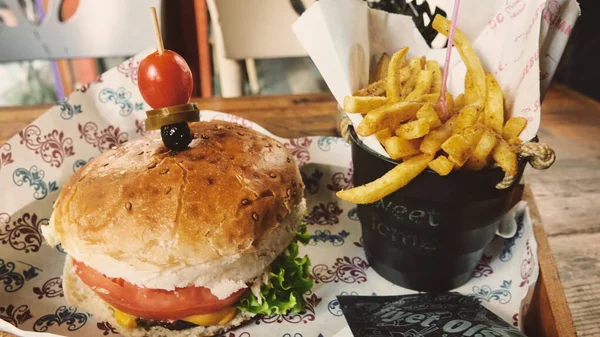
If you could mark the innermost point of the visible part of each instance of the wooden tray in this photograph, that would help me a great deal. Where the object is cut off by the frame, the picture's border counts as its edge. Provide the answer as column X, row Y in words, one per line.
column 316, row 114
column 549, row 314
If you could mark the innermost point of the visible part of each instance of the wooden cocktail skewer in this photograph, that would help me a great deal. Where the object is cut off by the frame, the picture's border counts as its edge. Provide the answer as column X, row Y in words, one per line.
column 166, row 84
column 159, row 41
column 442, row 99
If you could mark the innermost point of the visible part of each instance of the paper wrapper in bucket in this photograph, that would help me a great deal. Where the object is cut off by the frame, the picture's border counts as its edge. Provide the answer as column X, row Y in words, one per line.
column 519, row 41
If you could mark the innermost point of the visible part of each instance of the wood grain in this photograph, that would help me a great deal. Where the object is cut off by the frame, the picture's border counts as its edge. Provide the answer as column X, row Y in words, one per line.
column 548, row 288
column 568, row 197
column 567, row 194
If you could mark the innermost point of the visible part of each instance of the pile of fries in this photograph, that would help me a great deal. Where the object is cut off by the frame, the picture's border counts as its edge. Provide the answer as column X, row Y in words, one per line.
column 401, row 109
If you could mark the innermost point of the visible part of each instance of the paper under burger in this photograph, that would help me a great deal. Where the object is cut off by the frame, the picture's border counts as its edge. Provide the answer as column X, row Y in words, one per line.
column 187, row 231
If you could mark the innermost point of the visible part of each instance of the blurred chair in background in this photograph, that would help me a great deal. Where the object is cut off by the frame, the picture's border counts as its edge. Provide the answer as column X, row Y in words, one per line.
column 260, row 29
column 73, row 34
column 68, row 29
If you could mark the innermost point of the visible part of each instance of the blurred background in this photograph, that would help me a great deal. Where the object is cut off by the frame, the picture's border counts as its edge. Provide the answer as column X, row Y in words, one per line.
column 233, row 47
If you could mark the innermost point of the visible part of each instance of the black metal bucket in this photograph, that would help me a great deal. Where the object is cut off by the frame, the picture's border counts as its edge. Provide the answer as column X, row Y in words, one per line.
column 430, row 234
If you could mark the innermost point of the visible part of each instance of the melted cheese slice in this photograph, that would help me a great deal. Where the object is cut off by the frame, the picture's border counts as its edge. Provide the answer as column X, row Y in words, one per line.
column 220, row 317
column 125, row 320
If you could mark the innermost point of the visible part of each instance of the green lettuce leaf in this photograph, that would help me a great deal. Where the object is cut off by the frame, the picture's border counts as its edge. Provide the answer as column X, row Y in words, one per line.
column 288, row 280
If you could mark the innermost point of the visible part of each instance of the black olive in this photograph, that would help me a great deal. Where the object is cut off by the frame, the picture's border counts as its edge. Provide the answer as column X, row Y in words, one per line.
column 176, row 136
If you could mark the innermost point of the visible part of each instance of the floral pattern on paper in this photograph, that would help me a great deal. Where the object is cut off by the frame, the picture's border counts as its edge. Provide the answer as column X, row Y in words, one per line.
column 51, row 288
column 13, row 280
column 486, row 293
column 104, row 139
column 506, row 253
column 299, row 149
column 324, row 142
column 68, row 110
column 353, row 214
column 345, row 269
column 324, row 214
column 326, row 236
column 64, row 315
column 5, row 155
column 107, row 328
column 23, row 234
column 15, row 315
column 53, row 147
column 233, row 334
column 360, row 243
column 483, row 268
column 334, row 305
column 527, row 266
column 140, row 127
column 129, row 68
column 341, row 181
column 35, row 178
column 312, row 182
column 120, row 97
column 79, row 163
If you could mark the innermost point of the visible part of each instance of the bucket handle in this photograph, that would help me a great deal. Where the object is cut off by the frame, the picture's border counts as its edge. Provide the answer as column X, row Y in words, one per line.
column 539, row 155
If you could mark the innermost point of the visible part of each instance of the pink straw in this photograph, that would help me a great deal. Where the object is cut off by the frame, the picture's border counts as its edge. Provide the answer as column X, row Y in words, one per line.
column 442, row 99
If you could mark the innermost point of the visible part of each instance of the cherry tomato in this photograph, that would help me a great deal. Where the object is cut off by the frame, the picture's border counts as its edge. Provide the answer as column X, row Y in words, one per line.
column 165, row 80
column 154, row 304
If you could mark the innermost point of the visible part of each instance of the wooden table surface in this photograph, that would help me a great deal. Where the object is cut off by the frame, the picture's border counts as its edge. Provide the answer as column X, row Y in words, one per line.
column 568, row 194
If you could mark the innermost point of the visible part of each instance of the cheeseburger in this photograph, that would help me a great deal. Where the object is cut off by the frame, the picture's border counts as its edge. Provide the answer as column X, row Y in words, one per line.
column 184, row 243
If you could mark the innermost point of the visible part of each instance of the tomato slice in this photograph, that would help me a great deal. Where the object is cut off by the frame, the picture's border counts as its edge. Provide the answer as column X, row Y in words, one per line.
column 156, row 304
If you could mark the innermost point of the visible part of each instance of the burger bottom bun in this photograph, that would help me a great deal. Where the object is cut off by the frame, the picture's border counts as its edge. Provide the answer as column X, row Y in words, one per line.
column 80, row 295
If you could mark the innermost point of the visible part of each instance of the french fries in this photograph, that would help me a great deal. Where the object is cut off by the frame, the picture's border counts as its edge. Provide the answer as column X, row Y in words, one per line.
column 467, row 117
column 434, row 97
column 383, row 135
column 373, row 89
column 449, row 104
column 390, row 182
column 413, row 130
column 423, row 85
column 441, row 165
column 396, row 78
column 363, row 104
column 458, row 149
column 494, row 105
column 432, row 143
column 428, row 114
column 416, row 65
column 387, row 116
column 513, row 128
column 436, row 83
column 459, row 102
column 470, row 95
column 381, row 70
column 473, row 134
column 484, row 147
column 505, row 157
column 402, row 109
column 399, row 148
column 468, row 55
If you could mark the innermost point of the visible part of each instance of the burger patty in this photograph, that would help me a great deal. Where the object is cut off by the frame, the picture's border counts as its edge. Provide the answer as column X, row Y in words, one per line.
column 146, row 324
